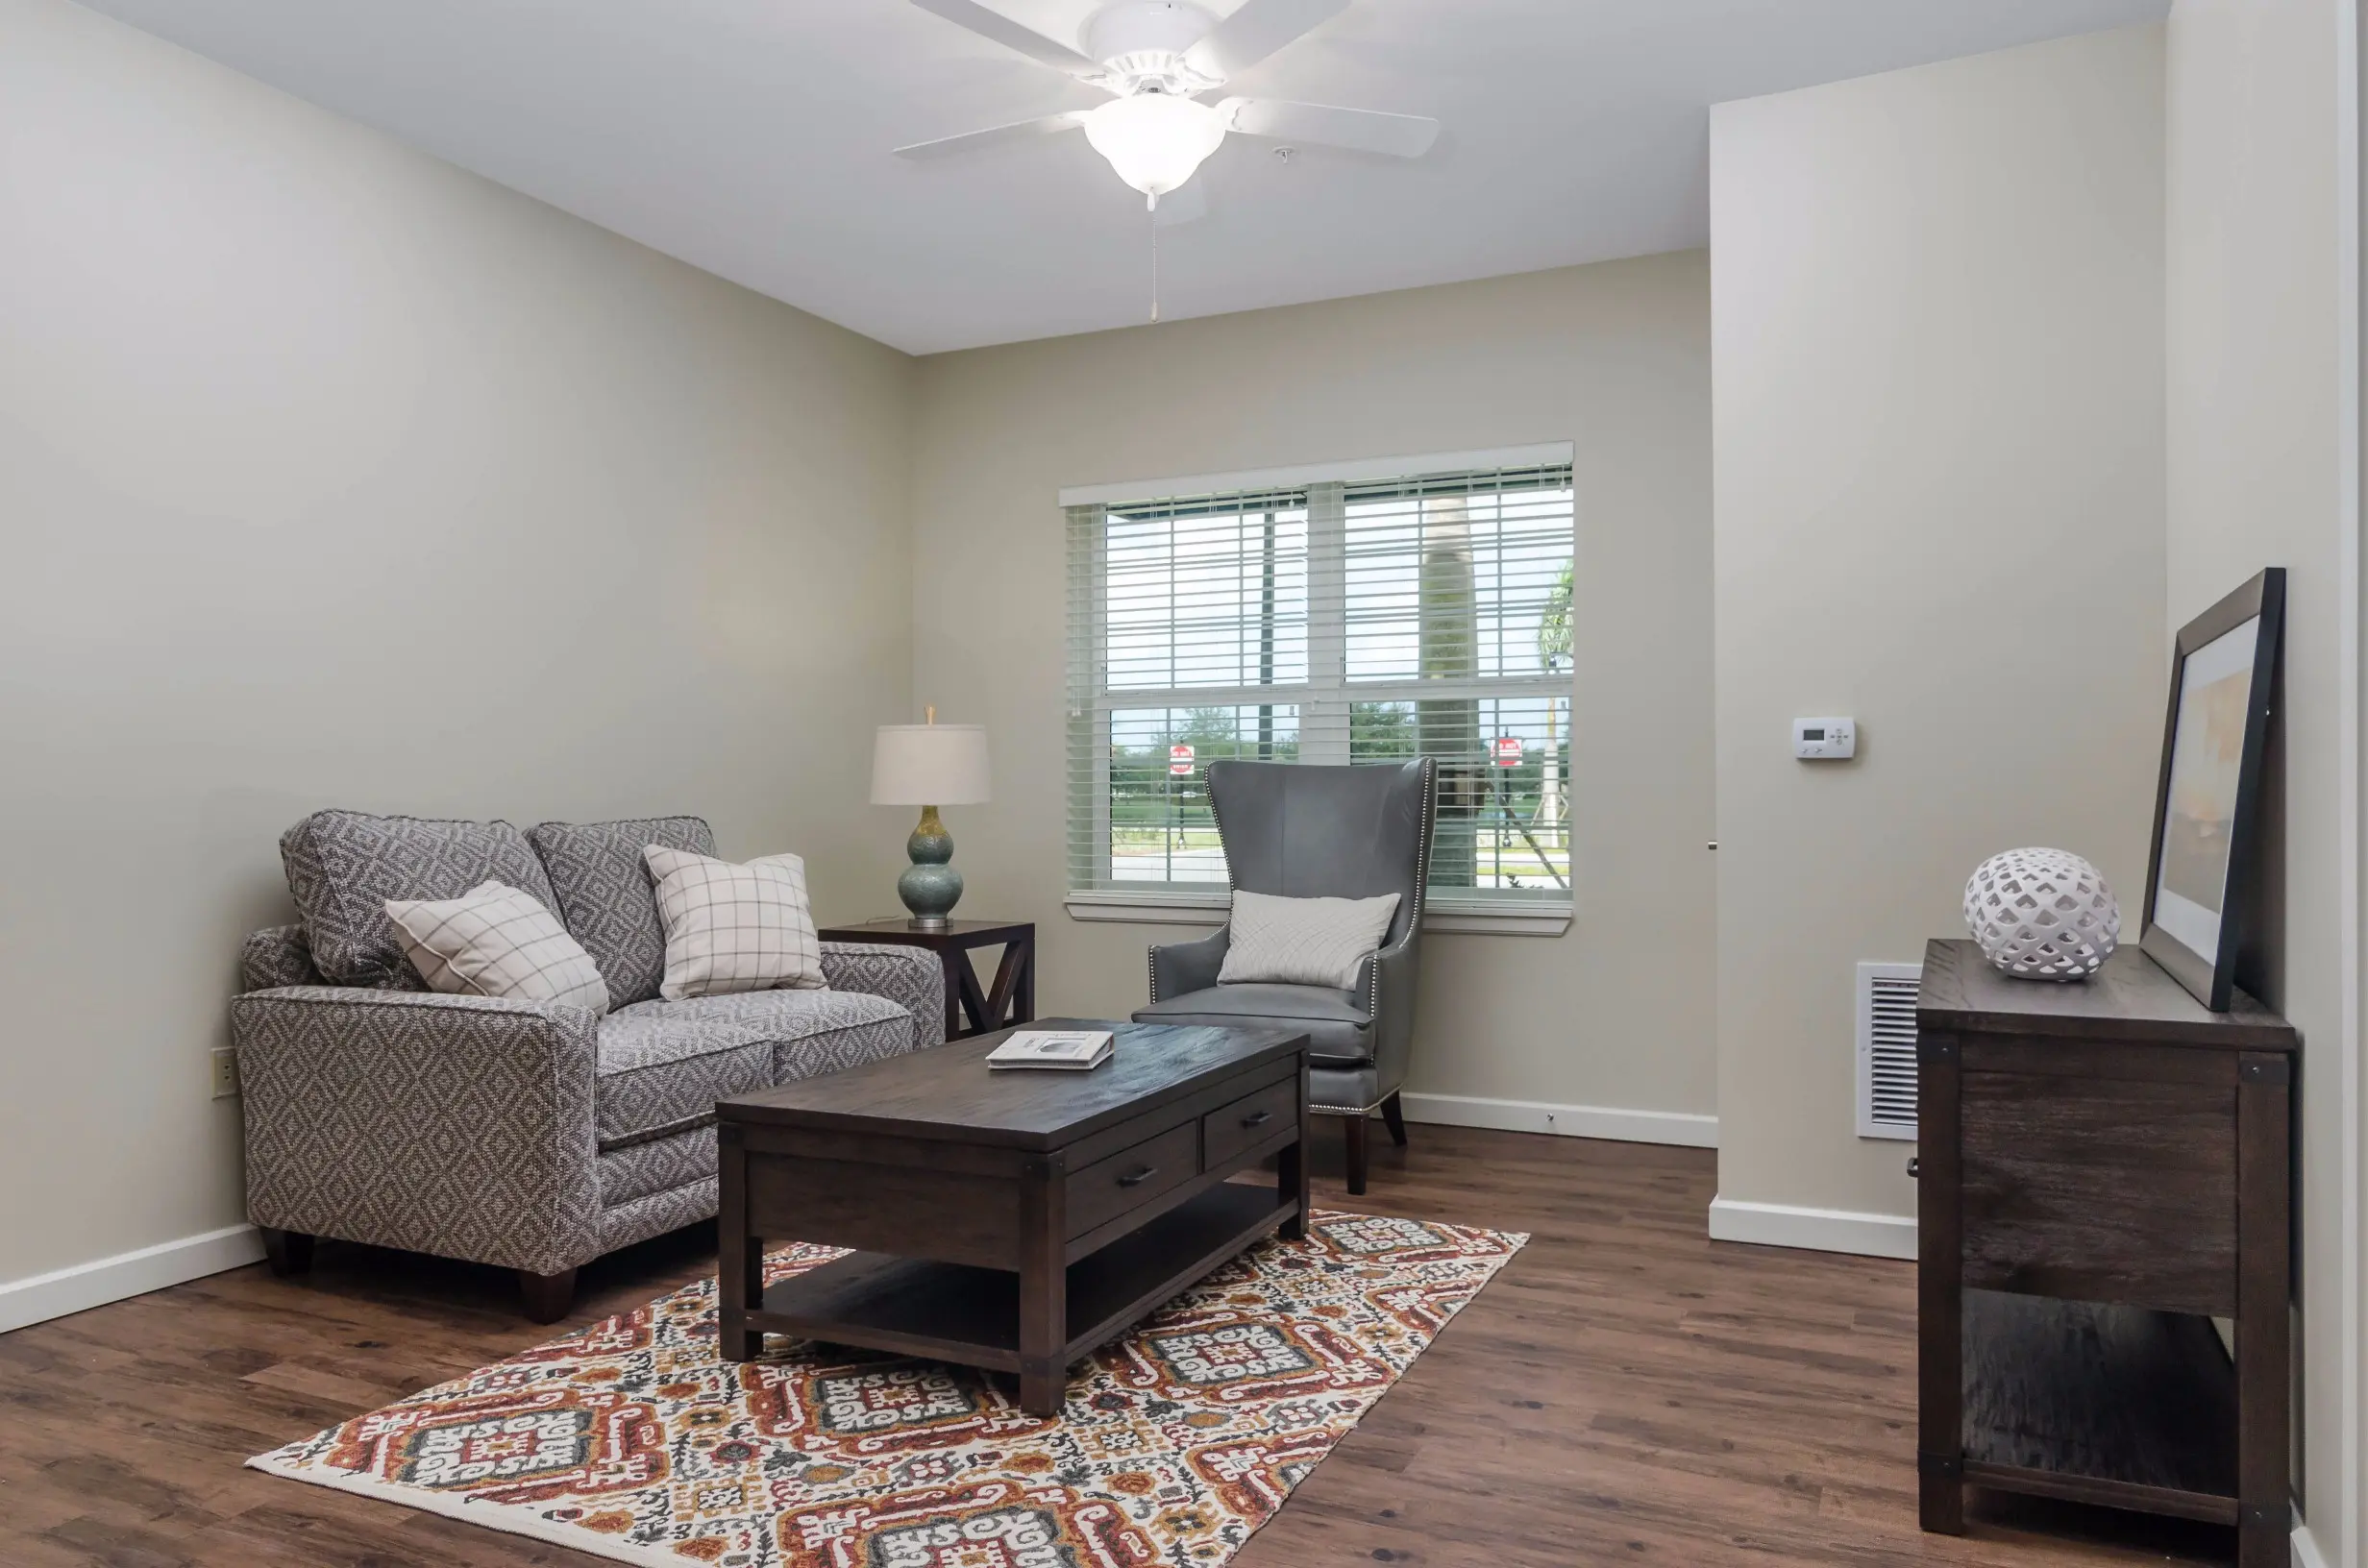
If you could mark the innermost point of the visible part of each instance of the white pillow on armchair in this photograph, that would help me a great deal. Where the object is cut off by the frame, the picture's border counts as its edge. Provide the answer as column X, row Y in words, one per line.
column 1303, row 942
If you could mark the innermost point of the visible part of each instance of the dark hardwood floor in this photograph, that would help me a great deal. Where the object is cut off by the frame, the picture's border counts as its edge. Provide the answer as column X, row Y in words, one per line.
column 1625, row 1391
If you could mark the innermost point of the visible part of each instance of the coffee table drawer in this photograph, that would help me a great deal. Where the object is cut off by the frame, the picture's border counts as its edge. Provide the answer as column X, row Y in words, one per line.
column 1249, row 1120
column 1107, row 1188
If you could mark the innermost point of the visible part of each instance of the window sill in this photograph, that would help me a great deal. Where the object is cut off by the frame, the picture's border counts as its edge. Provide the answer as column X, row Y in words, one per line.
column 1447, row 916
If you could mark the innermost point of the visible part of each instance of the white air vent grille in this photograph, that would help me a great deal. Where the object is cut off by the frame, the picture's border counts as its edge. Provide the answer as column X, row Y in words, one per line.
column 1886, row 1049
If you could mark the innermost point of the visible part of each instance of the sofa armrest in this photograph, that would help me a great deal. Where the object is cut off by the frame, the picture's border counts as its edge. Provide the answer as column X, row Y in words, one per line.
column 912, row 977
column 456, row 1125
column 1181, row 968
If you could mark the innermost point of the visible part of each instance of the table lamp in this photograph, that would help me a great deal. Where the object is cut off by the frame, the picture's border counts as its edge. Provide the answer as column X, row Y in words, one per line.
column 929, row 765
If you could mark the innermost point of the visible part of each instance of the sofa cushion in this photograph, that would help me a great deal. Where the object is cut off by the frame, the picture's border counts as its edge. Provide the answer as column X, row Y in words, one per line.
column 664, row 1065
column 659, row 1075
column 1339, row 1031
column 343, row 867
column 813, row 1031
column 658, row 1165
column 605, row 892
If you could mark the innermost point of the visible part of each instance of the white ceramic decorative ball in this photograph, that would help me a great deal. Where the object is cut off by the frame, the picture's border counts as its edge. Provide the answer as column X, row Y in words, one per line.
column 2043, row 913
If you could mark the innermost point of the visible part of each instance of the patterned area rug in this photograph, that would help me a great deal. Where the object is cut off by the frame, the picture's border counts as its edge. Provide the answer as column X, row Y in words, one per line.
column 632, row 1440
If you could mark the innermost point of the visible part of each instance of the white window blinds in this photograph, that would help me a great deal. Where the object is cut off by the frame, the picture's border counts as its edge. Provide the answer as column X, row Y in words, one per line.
column 1324, row 620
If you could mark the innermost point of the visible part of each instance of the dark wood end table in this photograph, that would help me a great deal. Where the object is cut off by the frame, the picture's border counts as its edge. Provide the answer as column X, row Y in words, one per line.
column 1010, row 1220
column 1010, row 998
column 2102, row 1170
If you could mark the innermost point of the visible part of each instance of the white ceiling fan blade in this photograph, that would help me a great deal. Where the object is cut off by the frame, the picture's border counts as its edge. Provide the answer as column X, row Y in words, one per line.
column 1188, row 203
column 1026, row 40
column 993, row 136
column 1320, row 125
column 1255, row 31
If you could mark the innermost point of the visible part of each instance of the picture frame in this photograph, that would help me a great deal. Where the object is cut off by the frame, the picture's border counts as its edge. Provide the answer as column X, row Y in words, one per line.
column 2206, row 827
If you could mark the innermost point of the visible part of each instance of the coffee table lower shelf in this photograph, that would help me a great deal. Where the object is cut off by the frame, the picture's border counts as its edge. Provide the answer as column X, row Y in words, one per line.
column 956, row 1313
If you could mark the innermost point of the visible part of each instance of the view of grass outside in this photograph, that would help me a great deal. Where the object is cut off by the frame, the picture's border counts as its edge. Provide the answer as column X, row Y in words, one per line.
column 1161, row 829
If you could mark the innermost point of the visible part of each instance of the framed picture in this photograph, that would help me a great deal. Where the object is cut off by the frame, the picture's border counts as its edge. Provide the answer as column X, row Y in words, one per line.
column 2207, row 802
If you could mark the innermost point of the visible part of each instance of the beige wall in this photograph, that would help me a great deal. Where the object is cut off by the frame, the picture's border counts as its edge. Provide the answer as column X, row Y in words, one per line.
column 1612, row 358
column 2257, row 456
column 1937, row 298
column 330, row 474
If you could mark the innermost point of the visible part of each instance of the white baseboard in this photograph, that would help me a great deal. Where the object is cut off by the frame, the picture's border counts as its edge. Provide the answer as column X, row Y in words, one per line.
column 1819, row 1230
column 1693, row 1132
column 85, row 1285
column 2306, row 1552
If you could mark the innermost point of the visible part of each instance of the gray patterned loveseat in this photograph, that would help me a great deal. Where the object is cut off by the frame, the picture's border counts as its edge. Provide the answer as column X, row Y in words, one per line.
column 530, row 1136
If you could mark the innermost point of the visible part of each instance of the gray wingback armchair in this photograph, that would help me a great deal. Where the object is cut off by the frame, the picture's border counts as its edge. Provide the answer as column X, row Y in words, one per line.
column 1299, row 831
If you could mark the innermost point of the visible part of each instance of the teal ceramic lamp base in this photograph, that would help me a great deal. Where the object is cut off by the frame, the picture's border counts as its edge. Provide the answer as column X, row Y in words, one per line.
column 930, row 886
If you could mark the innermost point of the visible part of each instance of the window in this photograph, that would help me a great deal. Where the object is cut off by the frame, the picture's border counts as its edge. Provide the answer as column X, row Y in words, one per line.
column 1330, row 618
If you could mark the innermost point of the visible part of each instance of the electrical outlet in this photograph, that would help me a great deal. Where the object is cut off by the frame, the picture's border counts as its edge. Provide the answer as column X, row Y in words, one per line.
column 225, row 1071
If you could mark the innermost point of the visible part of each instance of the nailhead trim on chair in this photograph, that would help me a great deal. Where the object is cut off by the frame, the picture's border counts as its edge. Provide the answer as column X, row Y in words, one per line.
column 1422, row 857
column 1222, row 852
column 1423, row 839
column 1225, row 853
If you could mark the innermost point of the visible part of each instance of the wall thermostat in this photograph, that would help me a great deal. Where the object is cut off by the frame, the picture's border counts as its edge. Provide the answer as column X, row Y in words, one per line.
column 1825, row 740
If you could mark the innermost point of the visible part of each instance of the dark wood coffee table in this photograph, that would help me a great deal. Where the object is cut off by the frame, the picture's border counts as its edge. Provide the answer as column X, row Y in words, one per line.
column 1008, row 1220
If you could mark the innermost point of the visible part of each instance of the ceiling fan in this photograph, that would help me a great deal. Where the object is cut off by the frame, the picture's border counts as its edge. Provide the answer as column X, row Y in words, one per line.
column 1158, row 59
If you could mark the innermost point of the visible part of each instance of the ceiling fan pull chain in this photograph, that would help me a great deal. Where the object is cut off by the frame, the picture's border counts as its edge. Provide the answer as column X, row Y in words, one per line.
column 1155, row 260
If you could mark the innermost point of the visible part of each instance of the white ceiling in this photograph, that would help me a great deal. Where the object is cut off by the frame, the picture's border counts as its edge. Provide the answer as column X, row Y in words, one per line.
column 751, row 137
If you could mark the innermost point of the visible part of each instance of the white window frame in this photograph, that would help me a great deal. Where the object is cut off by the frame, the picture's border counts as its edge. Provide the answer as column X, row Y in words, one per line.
column 1465, row 914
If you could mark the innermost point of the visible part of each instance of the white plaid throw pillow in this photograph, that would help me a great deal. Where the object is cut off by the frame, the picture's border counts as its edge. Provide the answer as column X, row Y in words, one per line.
column 495, row 940
column 731, row 928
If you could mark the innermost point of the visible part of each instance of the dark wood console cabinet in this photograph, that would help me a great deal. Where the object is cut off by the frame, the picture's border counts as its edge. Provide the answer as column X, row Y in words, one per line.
column 2103, row 1171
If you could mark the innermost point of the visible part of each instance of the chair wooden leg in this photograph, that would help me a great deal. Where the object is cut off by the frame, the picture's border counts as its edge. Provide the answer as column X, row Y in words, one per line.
column 1356, row 1153
column 547, row 1297
column 1394, row 1116
column 289, row 1252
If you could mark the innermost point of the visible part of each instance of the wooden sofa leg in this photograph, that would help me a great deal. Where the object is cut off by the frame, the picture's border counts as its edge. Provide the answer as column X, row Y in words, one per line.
column 1356, row 1153
column 1393, row 1113
column 548, row 1297
column 289, row 1252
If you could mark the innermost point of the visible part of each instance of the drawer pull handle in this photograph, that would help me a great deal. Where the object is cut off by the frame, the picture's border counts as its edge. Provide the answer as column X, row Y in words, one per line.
column 1139, row 1177
column 1916, row 1167
column 1257, row 1118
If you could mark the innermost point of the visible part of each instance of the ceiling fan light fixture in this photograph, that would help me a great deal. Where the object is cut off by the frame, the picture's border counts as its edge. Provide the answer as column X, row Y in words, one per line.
column 1155, row 141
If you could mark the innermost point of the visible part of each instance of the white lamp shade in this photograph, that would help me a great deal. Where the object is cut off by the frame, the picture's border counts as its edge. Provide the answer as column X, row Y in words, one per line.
column 929, row 765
